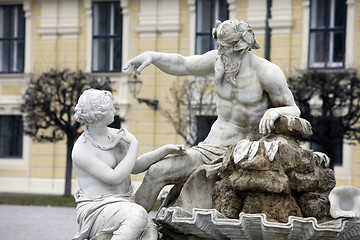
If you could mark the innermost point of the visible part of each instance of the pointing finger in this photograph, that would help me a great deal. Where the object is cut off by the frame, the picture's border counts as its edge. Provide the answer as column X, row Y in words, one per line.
column 127, row 65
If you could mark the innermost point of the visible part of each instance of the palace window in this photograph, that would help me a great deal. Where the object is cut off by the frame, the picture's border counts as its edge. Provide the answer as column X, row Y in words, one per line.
column 11, row 136
column 327, row 34
column 12, row 38
column 337, row 151
column 207, row 12
column 107, row 37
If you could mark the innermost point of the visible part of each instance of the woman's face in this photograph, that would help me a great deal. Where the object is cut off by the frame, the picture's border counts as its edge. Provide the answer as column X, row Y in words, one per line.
column 109, row 116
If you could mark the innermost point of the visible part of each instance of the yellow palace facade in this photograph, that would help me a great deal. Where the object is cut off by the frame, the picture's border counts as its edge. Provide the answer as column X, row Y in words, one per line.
column 99, row 37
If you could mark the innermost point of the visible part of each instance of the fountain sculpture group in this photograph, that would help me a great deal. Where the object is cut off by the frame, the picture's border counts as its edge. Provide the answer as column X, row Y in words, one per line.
column 249, row 179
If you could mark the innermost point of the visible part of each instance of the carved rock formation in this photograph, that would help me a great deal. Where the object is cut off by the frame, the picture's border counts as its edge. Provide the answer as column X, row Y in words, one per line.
column 275, row 176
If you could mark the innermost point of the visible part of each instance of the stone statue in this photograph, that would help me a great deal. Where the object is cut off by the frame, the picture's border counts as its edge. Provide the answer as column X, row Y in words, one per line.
column 103, row 160
column 251, row 94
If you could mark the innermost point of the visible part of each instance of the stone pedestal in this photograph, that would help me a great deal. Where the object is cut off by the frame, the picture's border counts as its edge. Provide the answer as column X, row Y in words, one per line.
column 274, row 177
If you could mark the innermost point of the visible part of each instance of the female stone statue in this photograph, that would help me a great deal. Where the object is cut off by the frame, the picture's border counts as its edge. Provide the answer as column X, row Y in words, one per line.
column 103, row 160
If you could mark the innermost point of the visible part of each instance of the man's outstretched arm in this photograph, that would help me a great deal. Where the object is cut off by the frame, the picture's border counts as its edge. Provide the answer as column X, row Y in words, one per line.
column 173, row 63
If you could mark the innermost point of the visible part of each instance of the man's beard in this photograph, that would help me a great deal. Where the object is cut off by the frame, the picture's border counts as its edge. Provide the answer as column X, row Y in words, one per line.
column 227, row 67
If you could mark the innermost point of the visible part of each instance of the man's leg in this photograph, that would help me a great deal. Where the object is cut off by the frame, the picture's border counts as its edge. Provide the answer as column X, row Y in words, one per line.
column 171, row 170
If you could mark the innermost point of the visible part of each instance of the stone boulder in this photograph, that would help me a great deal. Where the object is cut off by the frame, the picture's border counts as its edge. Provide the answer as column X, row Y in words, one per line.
column 275, row 176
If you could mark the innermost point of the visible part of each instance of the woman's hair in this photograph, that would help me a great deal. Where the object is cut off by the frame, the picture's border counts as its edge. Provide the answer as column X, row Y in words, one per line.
column 92, row 105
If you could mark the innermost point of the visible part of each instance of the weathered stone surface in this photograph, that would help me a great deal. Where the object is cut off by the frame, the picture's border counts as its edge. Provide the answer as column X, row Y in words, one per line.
column 259, row 181
column 286, row 155
column 260, row 163
column 315, row 205
column 304, row 162
column 321, row 180
column 292, row 127
column 282, row 179
column 277, row 207
column 227, row 201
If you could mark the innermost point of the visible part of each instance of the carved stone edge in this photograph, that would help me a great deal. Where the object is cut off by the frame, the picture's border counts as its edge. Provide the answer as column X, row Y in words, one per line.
column 209, row 223
column 292, row 127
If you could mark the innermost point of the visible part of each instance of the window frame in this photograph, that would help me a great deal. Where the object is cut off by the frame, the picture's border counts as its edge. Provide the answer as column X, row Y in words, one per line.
column 213, row 17
column 12, row 39
column 328, row 30
column 106, row 37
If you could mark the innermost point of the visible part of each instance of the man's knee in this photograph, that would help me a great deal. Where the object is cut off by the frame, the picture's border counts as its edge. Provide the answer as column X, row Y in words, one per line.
column 154, row 174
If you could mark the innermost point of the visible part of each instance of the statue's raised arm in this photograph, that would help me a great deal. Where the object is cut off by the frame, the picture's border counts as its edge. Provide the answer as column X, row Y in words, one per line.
column 173, row 63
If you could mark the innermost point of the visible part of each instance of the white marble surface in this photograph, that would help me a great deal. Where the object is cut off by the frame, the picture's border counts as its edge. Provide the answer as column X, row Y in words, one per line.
column 345, row 202
column 209, row 223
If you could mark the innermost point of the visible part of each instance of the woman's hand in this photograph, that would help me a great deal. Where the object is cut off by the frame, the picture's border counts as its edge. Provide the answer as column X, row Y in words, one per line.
column 175, row 149
column 128, row 137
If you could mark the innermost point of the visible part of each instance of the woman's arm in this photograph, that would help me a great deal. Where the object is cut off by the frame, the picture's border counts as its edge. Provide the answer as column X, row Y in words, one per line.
column 145, row 161
column 94, row 166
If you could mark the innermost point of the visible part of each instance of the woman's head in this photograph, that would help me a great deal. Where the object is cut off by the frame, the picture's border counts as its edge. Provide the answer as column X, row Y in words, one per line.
column 93, row 105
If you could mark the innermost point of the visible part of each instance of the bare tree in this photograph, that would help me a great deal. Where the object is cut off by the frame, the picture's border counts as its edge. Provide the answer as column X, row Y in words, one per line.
column 188, row 100
column 330, row 101
column 48, row 108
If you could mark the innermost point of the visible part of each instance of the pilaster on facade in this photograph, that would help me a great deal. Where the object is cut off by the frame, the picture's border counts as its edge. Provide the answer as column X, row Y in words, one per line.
column 350, row 41
column 232, row 9
column 59, row 17
column 159, row 16
column 89, row 23
column 28, row 37
column 281, row 17
column 256, row 16
column 305, row 34
column 126, row 31
column 192, row 25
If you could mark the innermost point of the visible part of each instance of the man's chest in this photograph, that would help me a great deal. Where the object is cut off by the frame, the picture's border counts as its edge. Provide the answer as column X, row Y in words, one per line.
column 247, row 89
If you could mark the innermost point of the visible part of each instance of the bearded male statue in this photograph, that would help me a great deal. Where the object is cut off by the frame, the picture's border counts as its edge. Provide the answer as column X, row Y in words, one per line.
column 251, row 93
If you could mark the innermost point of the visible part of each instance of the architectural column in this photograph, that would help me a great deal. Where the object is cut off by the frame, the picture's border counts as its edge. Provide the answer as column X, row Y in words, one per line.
column 88, row 12
column 350, row 41
column 305, row 34
column 256, row 16
column 281, row 17
column 59, row 18
column 48, row 20
column 281, row 24
column 232, row 9
column 28, row 37
column 159, row 16
column 192, row 26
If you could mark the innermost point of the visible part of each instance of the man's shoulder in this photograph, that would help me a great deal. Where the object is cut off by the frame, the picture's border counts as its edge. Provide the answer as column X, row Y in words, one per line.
column 263, row 66
column 261, row 62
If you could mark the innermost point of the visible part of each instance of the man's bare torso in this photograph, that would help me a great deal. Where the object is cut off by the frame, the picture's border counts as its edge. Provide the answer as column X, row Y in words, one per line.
column 239, row 108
